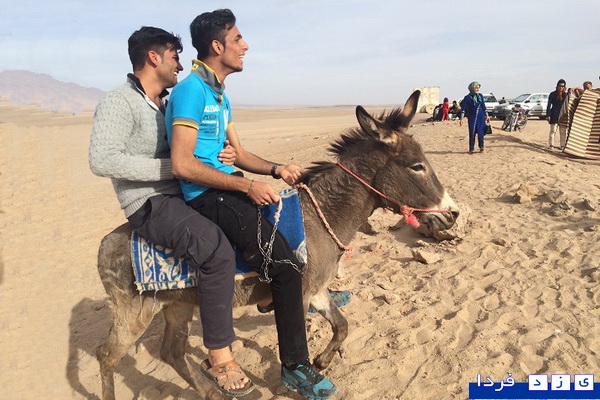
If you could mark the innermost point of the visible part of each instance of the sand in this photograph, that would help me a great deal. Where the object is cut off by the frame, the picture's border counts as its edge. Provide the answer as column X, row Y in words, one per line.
column 518, row 292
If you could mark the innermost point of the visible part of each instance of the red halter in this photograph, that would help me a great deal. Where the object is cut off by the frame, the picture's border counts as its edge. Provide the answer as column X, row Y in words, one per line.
column 406, row 211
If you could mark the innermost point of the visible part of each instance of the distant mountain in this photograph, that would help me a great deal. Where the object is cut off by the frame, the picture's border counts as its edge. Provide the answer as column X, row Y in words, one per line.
column 24, row 88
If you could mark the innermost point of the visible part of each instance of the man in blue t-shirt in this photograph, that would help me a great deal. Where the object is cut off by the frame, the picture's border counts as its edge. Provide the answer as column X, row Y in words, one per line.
column 200, row 104
column 199, row 124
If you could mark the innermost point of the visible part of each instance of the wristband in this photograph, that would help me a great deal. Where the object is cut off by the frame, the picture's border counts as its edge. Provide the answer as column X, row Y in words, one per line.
column 273, row 169
column 250, row 188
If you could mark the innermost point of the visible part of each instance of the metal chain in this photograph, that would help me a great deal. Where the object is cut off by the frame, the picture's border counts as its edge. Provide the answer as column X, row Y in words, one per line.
column 267, row 251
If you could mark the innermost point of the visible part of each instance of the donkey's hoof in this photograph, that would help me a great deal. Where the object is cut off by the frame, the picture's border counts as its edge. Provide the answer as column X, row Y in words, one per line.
column 320, row 362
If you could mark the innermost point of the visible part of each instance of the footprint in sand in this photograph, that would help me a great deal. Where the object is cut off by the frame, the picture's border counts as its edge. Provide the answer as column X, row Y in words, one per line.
column 464, row 335
column 530, row 362
column 551, row 297
column 491, row 302
column 470, row 313
column 530, row 308
column 489, row 280
column 423, row 336
column 535, row 336
column 357, row 339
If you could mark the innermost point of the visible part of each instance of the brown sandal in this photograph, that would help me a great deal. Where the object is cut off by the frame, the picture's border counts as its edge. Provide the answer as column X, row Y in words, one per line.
column 225, row 374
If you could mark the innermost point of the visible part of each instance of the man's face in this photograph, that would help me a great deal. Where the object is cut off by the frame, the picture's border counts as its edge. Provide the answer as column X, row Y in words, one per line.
column 235, row 49
column 169, row 67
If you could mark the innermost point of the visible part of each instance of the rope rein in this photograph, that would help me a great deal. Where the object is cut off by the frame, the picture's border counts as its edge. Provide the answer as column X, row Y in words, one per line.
column 407, row 211
column 347, row 249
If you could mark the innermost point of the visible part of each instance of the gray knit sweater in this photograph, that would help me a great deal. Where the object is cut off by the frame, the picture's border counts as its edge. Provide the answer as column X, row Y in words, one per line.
column 129, row 145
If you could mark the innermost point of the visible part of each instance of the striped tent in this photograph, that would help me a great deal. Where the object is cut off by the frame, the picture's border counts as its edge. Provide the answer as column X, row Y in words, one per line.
column 581, row 114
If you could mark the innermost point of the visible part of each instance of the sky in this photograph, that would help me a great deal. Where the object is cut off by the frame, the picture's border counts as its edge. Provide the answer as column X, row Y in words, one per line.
column 321, row 53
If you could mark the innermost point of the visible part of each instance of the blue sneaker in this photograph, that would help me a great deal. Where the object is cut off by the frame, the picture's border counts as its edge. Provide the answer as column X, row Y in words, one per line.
column 308, row 382
column 340, row 299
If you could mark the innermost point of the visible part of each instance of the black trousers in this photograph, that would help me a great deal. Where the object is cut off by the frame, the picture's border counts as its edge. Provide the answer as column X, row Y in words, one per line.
column 168, row 221
column 237, row 216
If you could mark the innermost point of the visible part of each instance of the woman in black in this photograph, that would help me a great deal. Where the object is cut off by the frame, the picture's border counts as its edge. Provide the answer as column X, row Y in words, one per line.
column 555, row 102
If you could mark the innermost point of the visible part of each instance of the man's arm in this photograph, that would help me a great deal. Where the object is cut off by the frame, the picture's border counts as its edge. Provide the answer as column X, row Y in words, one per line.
column 188, row 167
column 113, row 124
column 252, row 163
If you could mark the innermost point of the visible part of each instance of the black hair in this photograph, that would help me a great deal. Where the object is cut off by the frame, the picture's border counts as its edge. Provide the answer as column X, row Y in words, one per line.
column 561, row 81
column 150, row 38
column 210, row 26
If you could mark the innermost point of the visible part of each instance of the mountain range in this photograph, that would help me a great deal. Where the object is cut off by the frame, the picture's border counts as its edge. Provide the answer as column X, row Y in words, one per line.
column 23, row 88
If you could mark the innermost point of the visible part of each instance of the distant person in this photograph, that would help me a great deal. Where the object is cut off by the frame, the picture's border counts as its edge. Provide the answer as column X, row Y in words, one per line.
column 587, row 85
column 555, row 103
column 454, row 109
column 502, row 101
column 437, row 113
column 473, row 107
column 445, row 109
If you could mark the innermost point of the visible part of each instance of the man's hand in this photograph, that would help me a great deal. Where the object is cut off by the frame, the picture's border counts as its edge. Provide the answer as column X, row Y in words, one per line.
column 289, row 173
column 460, row 122
column 227, row 155
column 262, row 193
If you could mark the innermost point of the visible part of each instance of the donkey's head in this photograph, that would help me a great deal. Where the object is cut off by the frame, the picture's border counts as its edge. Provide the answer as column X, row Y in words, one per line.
column 402, row 171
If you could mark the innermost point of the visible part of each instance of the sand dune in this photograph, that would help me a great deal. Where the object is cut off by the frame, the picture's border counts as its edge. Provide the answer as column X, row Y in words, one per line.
column 518, row 291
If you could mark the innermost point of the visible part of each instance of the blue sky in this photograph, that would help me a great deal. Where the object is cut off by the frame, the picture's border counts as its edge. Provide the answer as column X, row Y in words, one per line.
column 307, row 52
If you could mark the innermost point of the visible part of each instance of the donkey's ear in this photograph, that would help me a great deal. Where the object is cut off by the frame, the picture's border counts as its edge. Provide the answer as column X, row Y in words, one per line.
column 365, row 120
column 410, row 108
column 370, row 124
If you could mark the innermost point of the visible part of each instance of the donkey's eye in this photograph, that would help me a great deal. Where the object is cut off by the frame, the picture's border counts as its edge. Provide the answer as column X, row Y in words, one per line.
column 417, row 167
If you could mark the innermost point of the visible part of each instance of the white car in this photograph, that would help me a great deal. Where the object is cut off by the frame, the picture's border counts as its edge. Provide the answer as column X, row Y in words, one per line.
column 490, row 102
column 536, row 103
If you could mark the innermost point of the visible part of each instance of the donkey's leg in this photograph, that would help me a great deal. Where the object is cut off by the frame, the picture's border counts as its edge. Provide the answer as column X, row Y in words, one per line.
column 132, row 315
column 324, row 304
column 178, row 318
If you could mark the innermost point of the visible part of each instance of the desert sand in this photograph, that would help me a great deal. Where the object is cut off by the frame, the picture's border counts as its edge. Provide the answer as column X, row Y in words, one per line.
column 517, row 291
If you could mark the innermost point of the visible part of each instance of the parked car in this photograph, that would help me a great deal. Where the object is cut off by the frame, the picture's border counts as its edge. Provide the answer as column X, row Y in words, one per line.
column 536, row 103
column 490, row 101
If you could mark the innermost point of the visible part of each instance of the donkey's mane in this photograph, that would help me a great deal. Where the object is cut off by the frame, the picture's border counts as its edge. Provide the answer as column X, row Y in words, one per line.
column 354, row 138
column 393, row 119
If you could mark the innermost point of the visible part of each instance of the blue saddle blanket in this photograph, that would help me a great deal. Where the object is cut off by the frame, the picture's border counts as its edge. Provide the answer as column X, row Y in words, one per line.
column 157, row 268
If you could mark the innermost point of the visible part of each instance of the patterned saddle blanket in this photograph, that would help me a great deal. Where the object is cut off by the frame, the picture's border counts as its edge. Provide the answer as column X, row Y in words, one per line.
column 157, row 268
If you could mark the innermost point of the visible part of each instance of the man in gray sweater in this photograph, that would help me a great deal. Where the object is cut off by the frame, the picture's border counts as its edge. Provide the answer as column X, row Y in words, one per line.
column 129, row 145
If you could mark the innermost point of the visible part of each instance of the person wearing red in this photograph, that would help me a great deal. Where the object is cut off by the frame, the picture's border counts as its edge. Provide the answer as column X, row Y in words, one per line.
column 445, row 108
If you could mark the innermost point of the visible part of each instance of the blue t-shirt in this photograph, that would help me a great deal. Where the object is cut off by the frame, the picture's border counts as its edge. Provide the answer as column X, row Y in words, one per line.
column 194, row 103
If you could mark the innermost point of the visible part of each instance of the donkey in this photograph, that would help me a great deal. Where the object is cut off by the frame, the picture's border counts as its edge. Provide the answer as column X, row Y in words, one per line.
column 380, row 152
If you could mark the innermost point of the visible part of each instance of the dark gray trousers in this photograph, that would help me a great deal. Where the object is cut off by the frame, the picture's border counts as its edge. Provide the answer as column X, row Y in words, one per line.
column 168, row 221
